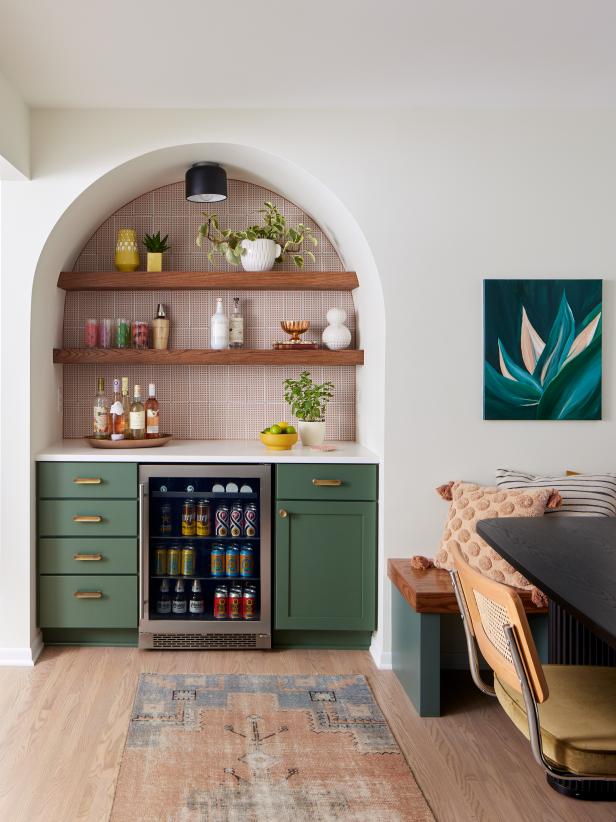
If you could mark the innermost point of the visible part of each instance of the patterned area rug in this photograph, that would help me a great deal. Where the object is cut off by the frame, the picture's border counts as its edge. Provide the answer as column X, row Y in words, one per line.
column 257, row 748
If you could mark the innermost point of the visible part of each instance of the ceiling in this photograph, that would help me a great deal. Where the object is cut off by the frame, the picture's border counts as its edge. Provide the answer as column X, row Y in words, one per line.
column 320, row 53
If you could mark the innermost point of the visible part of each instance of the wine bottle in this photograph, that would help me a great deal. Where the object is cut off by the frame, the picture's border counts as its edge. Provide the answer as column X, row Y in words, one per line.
column 219, row 328
column 100, row 417
column 236, row 326
column 126, row 408
column 152, row 414
column 117, row 413
column 137, row 416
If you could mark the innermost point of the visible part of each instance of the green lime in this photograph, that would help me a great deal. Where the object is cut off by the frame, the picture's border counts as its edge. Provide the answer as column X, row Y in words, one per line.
column 275, row 429
column 290, row 429
column 265, row 431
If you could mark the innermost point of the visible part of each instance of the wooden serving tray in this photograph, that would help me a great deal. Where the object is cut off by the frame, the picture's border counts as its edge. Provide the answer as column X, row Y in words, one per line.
column 153, row 443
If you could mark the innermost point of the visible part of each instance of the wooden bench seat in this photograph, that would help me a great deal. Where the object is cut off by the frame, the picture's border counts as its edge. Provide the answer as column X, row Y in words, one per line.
column 423, row 603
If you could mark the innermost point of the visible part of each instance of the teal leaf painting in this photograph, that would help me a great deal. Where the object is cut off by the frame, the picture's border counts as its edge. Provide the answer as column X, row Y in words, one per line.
column 542, row 349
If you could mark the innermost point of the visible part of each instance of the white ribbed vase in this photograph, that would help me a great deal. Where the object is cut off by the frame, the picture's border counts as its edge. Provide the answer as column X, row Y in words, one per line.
column 259, row 255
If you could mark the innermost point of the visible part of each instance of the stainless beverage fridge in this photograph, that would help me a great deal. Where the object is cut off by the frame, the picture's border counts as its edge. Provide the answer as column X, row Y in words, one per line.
column 205, row 556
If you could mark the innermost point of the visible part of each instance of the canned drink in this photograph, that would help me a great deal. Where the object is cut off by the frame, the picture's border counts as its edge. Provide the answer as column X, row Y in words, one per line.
column 247, row 561
column 232, row 560
column 160, row 562
column 189, row 519
column 173, row 561
column 250, row 520
column 222, row 521
column 220, row 602
column 236, row 519
column 187, row 563
column 165, row 519
column 234, row 609
column 204, row 519
column 249, row 602
column 217, row 561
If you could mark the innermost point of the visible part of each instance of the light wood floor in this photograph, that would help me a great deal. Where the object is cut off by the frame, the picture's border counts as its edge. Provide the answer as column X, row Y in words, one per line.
column 63, row 724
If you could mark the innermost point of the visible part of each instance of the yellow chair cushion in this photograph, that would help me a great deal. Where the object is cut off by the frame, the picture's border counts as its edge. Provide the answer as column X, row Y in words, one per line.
column 578, row 720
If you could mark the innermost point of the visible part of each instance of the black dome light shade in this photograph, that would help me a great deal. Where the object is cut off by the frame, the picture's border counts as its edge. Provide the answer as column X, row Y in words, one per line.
column 206, row 183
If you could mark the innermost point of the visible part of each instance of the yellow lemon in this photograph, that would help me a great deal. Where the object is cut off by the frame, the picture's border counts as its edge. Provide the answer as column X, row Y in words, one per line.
column 282, row 425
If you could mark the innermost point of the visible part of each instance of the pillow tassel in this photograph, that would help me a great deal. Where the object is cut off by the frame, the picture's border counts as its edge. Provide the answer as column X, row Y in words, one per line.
column 538, row 598
column 444, row 491
column 554, row 501
column 419, row 563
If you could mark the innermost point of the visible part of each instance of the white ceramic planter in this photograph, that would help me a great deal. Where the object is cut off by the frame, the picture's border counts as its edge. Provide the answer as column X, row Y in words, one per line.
column 259, row 255
column 311, row 433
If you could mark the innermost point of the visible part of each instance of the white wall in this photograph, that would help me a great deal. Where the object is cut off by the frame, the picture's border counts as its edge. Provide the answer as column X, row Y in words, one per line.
column 14, row 133
column 443, row 200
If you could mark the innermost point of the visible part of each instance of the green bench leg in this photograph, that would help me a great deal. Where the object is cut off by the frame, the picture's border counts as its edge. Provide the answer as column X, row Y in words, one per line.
column 416, row 655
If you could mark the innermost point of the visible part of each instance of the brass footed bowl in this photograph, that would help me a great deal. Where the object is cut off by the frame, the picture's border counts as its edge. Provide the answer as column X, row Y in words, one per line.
column 295, row 328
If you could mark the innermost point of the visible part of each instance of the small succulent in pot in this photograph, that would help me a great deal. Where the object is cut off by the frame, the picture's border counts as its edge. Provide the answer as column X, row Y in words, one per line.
column 258, row 246
column 308, row 401
column 156, row 248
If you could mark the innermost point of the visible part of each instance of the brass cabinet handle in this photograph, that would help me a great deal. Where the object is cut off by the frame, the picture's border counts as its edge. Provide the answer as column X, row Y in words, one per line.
column 283, row 513
column 333, row 483
column 88, row 480
column 88, row 557
column 81, row 518
column 88, row 594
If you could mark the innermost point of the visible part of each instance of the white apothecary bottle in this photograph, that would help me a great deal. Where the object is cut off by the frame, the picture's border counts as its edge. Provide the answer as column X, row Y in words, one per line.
column 219, row 328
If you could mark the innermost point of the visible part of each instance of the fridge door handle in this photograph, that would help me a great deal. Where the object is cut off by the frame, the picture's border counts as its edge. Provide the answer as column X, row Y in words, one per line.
column 141, row 544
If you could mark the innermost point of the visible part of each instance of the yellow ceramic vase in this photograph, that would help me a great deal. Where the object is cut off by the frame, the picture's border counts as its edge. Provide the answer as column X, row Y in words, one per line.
column 126, row 252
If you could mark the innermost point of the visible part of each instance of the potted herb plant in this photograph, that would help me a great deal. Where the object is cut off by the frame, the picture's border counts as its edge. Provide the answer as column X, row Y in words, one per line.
column 308, row 401
column 261, row 245
column 156, row 248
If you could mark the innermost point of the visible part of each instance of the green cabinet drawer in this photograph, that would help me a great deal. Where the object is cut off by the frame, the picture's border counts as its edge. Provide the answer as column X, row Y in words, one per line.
column 325, row 565
column 115, row 605
column 87, row 480
column 326, row 482
column 69, row 518
column 87, row 555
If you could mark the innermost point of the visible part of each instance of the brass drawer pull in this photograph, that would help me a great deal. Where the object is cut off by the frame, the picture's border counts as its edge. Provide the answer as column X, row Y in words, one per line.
column 332, row 483
column 88, row 557
column 88, row 594
column 283, row 513
column 95, row 518
column 88, row 480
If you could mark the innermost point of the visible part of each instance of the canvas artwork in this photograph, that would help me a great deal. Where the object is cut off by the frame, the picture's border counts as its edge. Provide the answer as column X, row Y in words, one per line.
column 542, row 349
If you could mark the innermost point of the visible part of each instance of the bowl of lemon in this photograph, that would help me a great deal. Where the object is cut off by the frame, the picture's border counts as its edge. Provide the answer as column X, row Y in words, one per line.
column 279, row 437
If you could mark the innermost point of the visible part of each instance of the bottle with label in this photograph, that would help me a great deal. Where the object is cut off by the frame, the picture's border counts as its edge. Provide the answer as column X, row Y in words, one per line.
column 117, row 413
column 100, row 417
column 236, row 326
column 152, row 413
column 137, row 416
column 219, row 328
column 179, row 605
column 126, row 408
column 196, row 604
column 163, row 603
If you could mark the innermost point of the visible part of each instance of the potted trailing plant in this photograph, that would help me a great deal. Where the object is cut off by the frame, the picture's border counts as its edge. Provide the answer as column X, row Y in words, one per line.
column 308, row 401
column 261, row 245
column 156, row 248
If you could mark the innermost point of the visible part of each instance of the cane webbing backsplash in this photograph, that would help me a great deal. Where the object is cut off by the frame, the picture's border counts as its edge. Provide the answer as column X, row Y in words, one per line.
column 205, row 402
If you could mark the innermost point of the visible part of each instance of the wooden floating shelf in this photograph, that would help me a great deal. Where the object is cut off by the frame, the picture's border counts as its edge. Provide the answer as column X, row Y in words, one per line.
column 206, row 356
column 208, row 280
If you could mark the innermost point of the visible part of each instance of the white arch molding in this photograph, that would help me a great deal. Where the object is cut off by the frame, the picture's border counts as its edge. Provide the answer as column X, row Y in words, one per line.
column 161, row 167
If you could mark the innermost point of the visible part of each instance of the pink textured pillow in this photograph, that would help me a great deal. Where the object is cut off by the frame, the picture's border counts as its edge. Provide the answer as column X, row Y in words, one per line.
column 470, row 503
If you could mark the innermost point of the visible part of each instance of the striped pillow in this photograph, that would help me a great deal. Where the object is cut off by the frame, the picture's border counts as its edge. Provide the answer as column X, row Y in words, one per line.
column 584, row 495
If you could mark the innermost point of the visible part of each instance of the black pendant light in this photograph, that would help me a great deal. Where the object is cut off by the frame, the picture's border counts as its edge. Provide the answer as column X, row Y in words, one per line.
column 206, row 183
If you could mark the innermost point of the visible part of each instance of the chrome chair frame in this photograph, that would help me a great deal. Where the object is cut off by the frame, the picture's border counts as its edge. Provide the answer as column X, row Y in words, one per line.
column 532, row 709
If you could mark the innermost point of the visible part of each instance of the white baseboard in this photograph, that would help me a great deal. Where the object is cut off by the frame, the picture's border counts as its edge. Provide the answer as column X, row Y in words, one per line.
column 382, row 658
column 22, row 657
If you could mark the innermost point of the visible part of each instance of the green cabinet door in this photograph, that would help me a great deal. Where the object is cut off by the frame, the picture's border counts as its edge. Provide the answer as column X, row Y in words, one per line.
column 325, row 565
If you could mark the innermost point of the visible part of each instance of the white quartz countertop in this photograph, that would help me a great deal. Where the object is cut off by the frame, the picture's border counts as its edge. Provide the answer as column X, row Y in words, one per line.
column 208, row 451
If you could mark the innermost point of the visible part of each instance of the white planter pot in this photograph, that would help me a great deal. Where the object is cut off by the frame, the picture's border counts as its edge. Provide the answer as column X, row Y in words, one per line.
column 311, row 433
column 259, row 255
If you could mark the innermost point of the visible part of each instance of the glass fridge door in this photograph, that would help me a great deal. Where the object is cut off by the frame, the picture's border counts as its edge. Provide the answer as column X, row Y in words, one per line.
column 206, row 549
